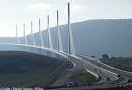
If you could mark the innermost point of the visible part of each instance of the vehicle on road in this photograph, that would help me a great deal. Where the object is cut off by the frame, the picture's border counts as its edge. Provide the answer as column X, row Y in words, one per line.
column 71, row 84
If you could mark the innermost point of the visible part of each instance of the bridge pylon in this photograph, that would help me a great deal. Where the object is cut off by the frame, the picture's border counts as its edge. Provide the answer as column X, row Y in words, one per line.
column 49, row 34
column 59, row 41
column 24, row 34
column 71, row 47
column 17, row 38
column 40, row 34
column 32, row 35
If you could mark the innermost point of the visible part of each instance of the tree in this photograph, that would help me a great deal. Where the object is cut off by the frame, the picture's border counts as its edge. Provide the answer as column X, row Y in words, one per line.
column 105, row 56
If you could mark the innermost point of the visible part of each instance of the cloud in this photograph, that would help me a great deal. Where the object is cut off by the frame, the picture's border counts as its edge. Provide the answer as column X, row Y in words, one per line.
column 39, row 6
column 77, row 7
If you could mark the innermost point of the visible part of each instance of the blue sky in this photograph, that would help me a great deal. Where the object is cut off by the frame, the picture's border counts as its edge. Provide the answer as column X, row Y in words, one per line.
column 14, row 12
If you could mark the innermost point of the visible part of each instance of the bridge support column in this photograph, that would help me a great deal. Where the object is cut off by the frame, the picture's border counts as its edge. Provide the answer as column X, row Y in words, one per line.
column 59, row 41
column 71, row 47
column 24, row 32
column 69, row 36
column 32, row 35
column 40, row 34
column 49, row 34
column 17, row 41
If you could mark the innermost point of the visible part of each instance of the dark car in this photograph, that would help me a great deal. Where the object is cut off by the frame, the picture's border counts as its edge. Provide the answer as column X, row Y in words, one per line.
column 71, row 84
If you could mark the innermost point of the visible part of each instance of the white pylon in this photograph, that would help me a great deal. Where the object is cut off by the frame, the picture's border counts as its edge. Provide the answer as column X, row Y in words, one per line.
column 49, row 34
column 59, row 41
column 32, row 34
column 40, row 34
column 24, row 34
column 71, row 47
column 17, row 35
column 69, row 42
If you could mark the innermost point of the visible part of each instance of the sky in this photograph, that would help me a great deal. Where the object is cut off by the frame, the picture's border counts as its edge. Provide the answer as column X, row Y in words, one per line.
column 17, row 12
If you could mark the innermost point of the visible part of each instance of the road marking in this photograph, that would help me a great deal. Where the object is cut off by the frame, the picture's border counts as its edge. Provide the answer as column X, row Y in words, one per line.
column 92, row 73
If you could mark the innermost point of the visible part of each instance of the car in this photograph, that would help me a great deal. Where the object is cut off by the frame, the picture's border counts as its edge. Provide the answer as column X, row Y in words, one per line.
column 88, row 84
column 118, row 75
column 70, row 84
column 108, row 79
column 93, row 56
column 129, row 80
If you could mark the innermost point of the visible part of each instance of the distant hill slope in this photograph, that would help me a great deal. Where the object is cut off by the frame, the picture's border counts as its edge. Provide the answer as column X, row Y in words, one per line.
column 8, row 40
column 119, row 62
column 96, row 37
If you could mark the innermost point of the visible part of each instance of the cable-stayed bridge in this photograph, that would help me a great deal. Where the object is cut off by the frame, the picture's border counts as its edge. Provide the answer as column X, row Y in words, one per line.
column 107, row 76
column 39, row 42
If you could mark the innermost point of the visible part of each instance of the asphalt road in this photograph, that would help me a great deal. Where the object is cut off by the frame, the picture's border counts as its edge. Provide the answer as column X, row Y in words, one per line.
column 95, row 67
column 109, row 76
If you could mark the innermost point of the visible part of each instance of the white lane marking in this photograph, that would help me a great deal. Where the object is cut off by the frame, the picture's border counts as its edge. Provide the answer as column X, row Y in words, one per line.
column 115, row 68
column 92, row 73
column 95, row 66
column 108, row 65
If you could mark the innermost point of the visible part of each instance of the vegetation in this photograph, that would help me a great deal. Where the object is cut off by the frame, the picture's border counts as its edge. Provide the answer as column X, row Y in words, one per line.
column 119, row 62
column 105, row 56
column 26, row 69
column 82, row 76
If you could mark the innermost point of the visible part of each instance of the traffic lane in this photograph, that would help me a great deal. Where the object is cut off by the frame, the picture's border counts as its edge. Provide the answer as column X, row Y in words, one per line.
column 112, row 69
column 126, row 75
column 107, row 73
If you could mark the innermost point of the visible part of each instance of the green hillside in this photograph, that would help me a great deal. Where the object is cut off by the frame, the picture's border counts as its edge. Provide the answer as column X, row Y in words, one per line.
column 26, row 69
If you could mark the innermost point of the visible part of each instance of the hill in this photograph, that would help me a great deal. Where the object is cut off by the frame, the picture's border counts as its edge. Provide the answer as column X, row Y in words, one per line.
column 27, row 69
column 119, row 62
column 96, row 37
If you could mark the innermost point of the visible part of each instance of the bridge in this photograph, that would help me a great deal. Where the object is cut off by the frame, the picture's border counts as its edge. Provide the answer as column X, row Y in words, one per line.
column 107, row 76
